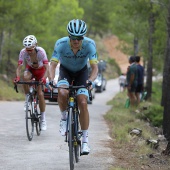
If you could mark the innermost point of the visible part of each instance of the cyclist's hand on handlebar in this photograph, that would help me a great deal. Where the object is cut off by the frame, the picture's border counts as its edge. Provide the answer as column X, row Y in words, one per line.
column 91, row 83
column 43, row 80
column 51, row 83
column 48, row 85
column 16, row 80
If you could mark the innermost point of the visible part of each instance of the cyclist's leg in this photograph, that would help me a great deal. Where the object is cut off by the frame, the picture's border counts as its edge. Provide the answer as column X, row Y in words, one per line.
column 26, row 77
column 82, row 95
column 41, row 99
column 84, row 114
column 63, row 81
column 84, row 122
column 38, row 74
column 62, row 102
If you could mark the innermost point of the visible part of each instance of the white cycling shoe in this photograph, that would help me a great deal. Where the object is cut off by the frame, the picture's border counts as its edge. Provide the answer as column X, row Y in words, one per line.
column 62, row 130
column 43, row 125
column 85, row 150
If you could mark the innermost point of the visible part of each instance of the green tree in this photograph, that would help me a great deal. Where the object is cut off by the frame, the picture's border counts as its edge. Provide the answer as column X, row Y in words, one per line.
column 46, row 19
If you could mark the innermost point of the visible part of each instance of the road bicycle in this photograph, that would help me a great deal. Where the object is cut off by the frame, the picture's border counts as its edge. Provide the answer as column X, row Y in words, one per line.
column 32, row 114
column 73, row 132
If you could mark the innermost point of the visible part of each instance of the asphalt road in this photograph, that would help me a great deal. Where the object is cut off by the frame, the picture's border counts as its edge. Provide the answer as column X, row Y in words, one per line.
column 49, row 151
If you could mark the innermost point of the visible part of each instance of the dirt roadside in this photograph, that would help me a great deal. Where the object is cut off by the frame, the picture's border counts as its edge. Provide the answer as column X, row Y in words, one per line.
column 125, row 156
column 111, row 44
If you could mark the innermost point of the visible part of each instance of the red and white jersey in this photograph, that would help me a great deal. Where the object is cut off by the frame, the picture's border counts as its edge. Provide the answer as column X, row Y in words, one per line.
column 41, row 57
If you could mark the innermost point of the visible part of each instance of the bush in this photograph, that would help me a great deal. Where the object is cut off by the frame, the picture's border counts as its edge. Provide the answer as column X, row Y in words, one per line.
column 155, row 114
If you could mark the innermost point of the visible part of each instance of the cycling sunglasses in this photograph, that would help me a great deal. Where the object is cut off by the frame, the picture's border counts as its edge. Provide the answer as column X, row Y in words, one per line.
column 76, row 38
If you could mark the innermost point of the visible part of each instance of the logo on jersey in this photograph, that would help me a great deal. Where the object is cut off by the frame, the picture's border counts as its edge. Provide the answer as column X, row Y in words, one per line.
column 82, row 91
column 75, row 56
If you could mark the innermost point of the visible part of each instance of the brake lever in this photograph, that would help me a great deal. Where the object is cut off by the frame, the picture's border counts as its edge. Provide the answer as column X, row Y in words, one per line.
column 90, row 95
column 16, row 88
column 89, row 91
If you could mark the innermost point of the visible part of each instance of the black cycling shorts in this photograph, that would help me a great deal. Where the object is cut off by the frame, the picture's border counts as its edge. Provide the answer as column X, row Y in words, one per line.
column 79, row 77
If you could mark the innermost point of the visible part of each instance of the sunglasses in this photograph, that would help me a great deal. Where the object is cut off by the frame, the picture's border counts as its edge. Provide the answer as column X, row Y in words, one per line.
column 76, row 38
column 30, row 49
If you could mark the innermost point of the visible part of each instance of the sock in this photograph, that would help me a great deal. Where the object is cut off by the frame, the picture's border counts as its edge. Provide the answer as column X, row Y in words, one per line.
column 85, row 136
column 64, row 115
column 42, row 116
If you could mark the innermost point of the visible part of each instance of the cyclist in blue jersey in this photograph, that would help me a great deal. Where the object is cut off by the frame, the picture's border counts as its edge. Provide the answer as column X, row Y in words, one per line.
column 73, row 53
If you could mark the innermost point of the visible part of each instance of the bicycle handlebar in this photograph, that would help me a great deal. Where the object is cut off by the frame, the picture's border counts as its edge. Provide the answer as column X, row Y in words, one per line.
column 74, row 87
column 26, row 82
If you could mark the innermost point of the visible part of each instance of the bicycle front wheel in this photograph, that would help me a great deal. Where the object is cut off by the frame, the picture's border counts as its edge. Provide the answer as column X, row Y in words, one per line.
column 29, row 118
column 70, row 139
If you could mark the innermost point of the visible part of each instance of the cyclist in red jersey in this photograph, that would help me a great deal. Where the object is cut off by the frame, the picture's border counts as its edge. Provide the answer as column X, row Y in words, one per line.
column 36, row 67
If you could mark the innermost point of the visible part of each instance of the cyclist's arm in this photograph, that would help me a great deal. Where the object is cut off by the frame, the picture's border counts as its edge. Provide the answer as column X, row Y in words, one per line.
column 46, row 70
column 18, row 70
column 53, row 65
column 94, row 72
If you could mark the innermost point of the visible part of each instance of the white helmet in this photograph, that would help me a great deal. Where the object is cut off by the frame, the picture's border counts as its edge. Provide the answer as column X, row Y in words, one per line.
column 77, row 27
column 29, row 41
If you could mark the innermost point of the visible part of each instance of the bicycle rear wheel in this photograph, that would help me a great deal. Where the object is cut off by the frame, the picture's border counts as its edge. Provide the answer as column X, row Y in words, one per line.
column 70, row 139
column 29, row 118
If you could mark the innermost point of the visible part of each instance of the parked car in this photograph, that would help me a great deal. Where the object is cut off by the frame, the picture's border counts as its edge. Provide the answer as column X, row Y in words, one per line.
column 47, row 94
column 100, row 83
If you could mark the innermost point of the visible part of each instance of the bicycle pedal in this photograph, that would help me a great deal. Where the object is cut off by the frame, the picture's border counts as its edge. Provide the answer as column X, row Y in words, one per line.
column 36, row 119
column 80, row 132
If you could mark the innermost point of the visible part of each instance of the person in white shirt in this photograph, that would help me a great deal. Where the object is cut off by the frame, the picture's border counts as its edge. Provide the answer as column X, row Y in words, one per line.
column 122, row 82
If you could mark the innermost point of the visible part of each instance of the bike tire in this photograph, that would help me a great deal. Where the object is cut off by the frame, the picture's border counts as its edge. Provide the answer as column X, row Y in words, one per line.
column 70, row 139
column 77, row 143
column 37, row 121
column 29, row 118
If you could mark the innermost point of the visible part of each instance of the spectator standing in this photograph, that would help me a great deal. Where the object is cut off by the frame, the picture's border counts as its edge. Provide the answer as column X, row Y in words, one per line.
column 140, row 79
column 122, row 82
column 131, row 79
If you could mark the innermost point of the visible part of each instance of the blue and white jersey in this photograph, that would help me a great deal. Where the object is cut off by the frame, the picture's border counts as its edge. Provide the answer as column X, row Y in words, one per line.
column 74, row 62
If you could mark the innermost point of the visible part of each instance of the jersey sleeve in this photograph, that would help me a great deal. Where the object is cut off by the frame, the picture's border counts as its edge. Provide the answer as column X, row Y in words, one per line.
column 55, row 55
column 93, row 54
column 21, row 58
